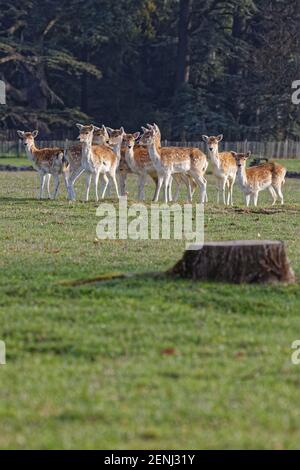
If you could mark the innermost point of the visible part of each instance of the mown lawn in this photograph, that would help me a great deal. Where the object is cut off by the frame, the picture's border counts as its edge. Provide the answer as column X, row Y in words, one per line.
column 141, row 362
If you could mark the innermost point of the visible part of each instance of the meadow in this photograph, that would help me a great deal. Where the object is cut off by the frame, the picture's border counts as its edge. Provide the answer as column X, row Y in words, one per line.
column 143, row 362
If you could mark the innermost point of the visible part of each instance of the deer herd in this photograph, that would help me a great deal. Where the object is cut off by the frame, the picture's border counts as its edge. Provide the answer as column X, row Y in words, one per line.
column 108, row 156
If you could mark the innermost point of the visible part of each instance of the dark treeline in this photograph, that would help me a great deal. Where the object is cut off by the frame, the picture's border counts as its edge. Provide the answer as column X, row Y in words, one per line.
column 193, row 66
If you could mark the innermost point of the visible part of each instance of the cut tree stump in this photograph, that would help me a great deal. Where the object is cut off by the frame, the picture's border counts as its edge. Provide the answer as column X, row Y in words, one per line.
column 238, row 261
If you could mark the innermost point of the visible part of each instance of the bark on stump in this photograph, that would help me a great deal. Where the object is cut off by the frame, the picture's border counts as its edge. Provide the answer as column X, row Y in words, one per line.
column 239, row 261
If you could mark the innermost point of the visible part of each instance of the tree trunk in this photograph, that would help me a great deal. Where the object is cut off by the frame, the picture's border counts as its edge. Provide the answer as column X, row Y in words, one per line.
column 183, row 54
column 236, row 262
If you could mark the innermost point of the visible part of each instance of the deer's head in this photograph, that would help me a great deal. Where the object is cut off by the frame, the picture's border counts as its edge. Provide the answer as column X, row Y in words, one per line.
column 241, row 158
column 86, row 133
column 28, row 137
column 100, row 135
column 115, row 135
column 148, row 136
column 131, row 139
column 213, row 142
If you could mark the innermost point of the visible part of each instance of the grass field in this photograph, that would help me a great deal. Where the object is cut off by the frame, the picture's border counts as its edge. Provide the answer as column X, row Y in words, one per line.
column 142, row 362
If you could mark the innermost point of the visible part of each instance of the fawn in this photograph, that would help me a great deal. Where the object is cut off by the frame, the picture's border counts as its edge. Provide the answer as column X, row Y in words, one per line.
column 135, row 160
column 115, row 139
column 139, row 162
column 96, row 160
column 179, row 178
column 252, row 180
column 172, row 160
column 73, row 155
column 47, row 161
column 224, row 168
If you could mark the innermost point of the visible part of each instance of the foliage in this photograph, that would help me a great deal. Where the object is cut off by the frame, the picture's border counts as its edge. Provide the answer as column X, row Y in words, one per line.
column 194, row 66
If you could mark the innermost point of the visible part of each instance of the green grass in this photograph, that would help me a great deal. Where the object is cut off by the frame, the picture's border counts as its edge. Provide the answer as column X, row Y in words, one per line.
column 87, row 366
column 15, row 161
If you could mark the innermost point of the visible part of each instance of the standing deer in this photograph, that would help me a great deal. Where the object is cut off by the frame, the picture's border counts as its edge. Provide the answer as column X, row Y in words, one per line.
column 224, row 168
column 115, row 139
column 47, row 161
column 169, row 161
column 252, row 180
column 96, row 160
column 74, row 155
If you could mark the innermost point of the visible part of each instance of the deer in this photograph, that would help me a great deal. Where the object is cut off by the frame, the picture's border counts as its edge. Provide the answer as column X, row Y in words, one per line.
column 224, row 168
column 139, row 163
column 252, row 180
column 96, row 160
column 47, row 161
column 73, row 155
column 114, row 141
column 170, row 161
column 179, row 178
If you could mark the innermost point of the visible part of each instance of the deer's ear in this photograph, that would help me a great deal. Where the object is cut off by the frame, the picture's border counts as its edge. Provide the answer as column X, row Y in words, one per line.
column 220, row 137
column 136, row 135
column 21, row 134
column 80, row 126
column 150, row 126
column 97, row 128
column 156, row 128
column 122, row 130
column 35, row 133
column 205, row 138
column 109, row 130
column 144, row 129
column 234, row 154
column 248, row 154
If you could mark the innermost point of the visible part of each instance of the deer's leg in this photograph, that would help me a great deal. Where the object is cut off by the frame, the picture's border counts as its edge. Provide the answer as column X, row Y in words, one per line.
column 105, row 185
column 114, row 180
column 188, row 183
column 231, row 184
column 67, row 184
column 56, row 186
column 177, row 180
column 42, row 184
column 170, row 196
column 167, row 179
column 228, row 192
column 96, row 181
column 141, row 187
column 122, row 182
column 255, row 198
column 223, row 190
column 88, row 185
column 74, row 175
column 48, row 179
column 219, row 189
column 206, row 195
column 247, row 199
column 105, row 180
column 158, row 188
column 273, row 194
column 277, row 188
column 202, row 186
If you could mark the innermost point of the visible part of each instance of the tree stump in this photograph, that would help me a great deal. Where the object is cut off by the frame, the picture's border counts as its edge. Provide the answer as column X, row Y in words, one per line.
column 239, row 261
